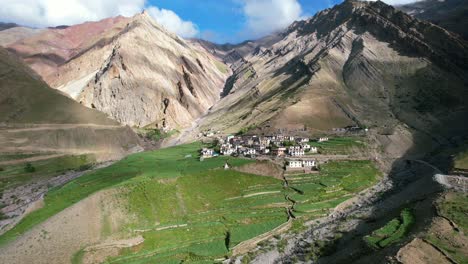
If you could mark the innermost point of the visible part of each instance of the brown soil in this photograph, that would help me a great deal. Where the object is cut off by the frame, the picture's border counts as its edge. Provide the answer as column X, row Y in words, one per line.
column 420, row 252
column 263, row 168
column 60, row 237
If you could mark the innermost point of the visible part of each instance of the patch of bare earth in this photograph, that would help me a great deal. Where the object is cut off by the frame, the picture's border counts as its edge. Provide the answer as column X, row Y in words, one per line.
column 263, row 168
column 99, row 253
column 60, row 237
column 420, row 252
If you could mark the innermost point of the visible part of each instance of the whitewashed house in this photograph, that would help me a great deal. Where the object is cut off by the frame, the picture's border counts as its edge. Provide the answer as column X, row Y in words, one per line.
column 207, row 153
column 309, row 163
column 305, row 146
column 296, row 151
column 323, row 139
column 249, row 151
column 227, row 149
column 294, row 164
column 264, row 141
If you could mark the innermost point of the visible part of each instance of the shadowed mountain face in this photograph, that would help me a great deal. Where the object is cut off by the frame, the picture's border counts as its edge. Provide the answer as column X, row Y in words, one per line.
column 129, row 68
column 449, row 14
column 4, row 26
column 359, row 62
column 34, row 117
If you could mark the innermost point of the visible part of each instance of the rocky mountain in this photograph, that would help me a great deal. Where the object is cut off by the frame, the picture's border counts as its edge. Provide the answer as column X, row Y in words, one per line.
column 34, row 117
column 4, row 26
column 129, row 68
column 14, row 34
column 449, row 14
column 362, row 63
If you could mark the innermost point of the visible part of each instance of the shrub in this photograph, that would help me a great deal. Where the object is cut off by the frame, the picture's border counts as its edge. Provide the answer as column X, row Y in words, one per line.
column 29, row 168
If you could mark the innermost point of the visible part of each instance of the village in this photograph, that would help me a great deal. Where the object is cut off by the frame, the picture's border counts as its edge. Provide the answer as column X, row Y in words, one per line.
column 297, row 151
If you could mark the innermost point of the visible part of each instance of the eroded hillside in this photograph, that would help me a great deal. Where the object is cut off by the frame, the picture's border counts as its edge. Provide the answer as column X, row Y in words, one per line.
column 359, row 62
column 129, row 68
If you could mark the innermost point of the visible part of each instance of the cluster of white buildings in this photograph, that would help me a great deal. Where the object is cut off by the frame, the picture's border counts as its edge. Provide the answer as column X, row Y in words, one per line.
column 251, row 146
column 301, row 164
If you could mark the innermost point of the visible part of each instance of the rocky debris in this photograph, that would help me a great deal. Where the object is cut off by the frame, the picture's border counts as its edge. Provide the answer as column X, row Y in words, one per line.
column 449, row 14
column 121, row 66
column 16, row 202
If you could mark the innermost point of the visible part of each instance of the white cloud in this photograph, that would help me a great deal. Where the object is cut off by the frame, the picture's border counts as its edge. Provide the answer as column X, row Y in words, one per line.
column 42, row 13
column 45, row 13
column 173, row 22
column 266, row 16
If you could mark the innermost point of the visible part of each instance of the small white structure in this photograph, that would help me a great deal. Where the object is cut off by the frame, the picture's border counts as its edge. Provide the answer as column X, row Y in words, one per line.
column 303, row 140
column 291, row 138
column 207, row 153
column 294, row 164
column 323, row 139
column 313, row 150
column 296, row 151
column 309, row 163
column 264, row 141
column 305, row 146
column 249, row 152
column 266, row 151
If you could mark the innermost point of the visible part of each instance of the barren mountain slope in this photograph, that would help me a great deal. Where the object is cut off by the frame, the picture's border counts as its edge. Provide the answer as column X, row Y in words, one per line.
column 129, row 68
column 153, row 77
column 35, row 117
column 14, row 34
column 360, row 62
column 449, row 14
column 51, row 48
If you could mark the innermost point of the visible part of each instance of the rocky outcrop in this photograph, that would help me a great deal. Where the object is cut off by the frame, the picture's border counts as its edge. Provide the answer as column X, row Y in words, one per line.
column 449, row 14
column 37, row 118
column 127, row 68
column 330, row 70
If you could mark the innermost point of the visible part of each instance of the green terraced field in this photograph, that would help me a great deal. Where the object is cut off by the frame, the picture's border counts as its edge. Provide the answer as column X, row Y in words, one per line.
column 392, row 232
column 340, row 145
column 194, row 211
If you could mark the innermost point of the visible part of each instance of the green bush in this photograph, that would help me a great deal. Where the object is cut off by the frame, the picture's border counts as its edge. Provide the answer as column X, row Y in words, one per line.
column 29, row 168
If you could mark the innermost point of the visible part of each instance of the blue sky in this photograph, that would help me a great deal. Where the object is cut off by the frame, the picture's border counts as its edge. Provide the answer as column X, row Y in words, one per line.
column 224, row 20
column 219, row 21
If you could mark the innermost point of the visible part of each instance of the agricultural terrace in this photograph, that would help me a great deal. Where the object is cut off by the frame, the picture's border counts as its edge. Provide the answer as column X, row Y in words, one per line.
column 340, row 145
column 392, row 232
column 192, row 210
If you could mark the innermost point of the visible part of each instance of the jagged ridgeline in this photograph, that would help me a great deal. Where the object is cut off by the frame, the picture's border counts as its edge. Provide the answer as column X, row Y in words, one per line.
column 36, row 118
column 130, row 68
column 362, row 63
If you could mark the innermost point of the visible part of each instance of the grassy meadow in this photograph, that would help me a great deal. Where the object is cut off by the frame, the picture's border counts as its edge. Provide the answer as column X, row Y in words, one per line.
column 339, row 145
column 195, row 211
column 14, row 175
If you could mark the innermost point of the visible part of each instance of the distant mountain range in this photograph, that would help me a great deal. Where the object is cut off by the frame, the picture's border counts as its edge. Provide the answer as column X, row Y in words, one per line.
column 361, row 63
column 449, row 14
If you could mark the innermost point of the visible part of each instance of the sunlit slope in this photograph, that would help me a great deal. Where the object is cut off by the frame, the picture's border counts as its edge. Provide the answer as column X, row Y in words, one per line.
column 175, row 208
column 37, row 118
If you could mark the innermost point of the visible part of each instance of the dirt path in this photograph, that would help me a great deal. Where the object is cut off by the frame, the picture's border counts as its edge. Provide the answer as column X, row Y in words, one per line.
column 37, row 158
column 13, row 128
column 252, row 195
